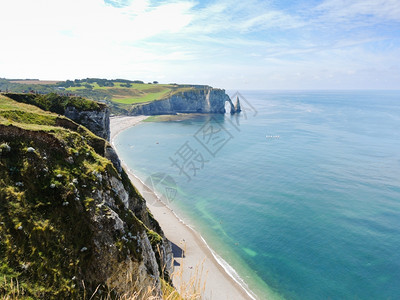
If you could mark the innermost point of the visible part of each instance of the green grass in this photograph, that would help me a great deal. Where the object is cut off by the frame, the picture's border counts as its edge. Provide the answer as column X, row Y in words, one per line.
column 135, row 94
column 8, row 104
column 75, row 88
column 24, row 117
column 151, row 95
column 146, row 97
column 56, row 103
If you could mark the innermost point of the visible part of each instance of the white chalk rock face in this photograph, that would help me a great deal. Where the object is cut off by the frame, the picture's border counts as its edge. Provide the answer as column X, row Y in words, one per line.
column 97, row 122
column 198, row 100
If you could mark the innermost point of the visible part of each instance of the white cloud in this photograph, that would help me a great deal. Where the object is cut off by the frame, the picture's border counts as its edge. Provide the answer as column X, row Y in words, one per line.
column 339, row 10
column 270, row 19
column 91, row 20
column 241, row 17
column 219, row 43
column 56, row 37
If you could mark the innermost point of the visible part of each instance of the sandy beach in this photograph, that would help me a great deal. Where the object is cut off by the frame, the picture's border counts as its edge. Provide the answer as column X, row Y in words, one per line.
column 197, row 256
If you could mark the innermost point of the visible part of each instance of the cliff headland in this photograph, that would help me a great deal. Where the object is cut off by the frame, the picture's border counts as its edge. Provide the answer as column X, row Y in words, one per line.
column 131, row 97
column 71, row 222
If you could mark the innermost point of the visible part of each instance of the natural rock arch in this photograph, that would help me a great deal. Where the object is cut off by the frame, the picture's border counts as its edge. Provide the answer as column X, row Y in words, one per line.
column 234, row 108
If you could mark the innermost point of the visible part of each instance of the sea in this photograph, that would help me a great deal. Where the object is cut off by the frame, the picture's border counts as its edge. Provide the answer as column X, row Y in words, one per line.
column 299, row 194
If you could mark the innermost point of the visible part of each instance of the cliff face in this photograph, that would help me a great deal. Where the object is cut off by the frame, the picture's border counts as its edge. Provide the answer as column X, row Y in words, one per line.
column 97, row 121
column 70, row 220
column 204, row 100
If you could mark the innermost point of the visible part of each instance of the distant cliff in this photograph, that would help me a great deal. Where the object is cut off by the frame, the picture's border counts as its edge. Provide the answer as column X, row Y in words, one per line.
column 199, row 100
column 71, row 222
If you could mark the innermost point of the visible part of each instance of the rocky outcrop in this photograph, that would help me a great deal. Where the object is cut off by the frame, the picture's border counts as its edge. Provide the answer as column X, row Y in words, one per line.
column 236, row 108
column 97, row 121
column 108, row 265
column 80, row 226
column 112, row 155
column 197, row 100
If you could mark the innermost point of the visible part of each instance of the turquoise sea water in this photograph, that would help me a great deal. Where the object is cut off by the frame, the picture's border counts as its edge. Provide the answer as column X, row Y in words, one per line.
column 301, row 198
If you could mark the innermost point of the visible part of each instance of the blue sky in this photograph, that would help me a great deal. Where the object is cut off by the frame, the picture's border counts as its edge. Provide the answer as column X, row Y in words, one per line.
column 327, row 44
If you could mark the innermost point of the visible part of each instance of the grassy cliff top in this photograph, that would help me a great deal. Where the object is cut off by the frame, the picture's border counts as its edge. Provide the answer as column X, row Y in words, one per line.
column 131, row 93
column 117, row 92
column 32, row 117
column 56, row 103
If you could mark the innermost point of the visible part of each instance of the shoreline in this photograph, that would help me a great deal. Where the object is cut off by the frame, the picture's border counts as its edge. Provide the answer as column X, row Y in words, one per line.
column 220, row 280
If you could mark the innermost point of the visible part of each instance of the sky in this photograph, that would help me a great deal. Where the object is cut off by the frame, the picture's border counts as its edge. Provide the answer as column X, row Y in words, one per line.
column 249, row 44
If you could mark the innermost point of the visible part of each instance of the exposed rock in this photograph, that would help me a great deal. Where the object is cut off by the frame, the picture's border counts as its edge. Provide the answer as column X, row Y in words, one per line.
column 30, row 150
column 97, row 121
column 113, row 157
column 237, row 105
column 199, row 100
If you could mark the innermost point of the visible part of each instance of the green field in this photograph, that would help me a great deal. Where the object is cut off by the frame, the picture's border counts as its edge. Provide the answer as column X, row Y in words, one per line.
column 134, row 94
column 146, row 97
